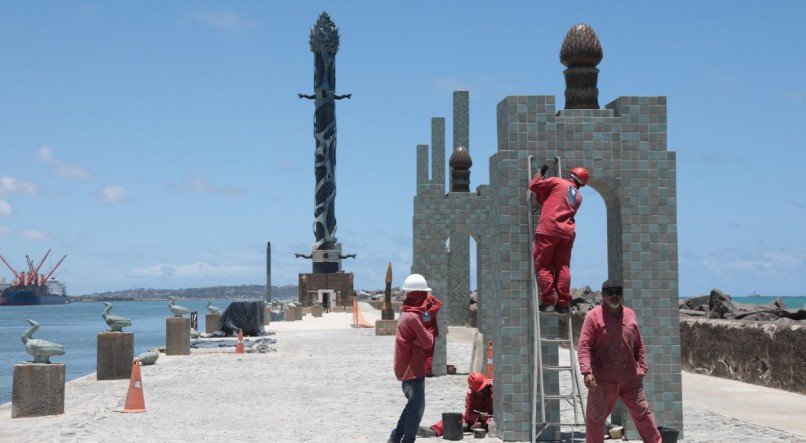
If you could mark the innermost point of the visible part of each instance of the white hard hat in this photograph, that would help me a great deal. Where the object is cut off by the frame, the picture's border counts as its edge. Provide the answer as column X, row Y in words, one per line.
column 415, row 282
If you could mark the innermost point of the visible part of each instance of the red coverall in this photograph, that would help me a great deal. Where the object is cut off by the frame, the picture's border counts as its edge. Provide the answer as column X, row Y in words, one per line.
column 554, row 236
column 611, row 349
column 432, row 304
column 478, row 401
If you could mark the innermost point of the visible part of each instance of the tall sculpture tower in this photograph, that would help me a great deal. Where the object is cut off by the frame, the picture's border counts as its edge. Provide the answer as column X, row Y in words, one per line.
column 326, row 254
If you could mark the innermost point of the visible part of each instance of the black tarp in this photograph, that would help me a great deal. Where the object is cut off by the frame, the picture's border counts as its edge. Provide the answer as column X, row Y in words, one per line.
column 246, row 315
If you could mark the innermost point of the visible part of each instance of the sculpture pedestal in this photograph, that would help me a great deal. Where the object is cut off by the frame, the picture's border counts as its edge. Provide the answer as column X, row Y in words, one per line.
column 115, row 355
column 316, row 311
column 38, row 389
column 177, row 336
column 211, row 323
column 385, row 327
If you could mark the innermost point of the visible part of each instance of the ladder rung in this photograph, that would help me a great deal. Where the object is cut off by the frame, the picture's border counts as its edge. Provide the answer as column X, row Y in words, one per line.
column 554, row 340
column 562, row 424
column 559, row 396
column 557, row 368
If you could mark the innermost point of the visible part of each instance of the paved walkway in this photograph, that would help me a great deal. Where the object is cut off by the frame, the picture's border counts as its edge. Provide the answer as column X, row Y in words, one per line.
column 327, row 382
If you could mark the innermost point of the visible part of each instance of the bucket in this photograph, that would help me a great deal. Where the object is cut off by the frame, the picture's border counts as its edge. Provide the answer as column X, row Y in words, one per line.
column 668, row 435
column 451, row 370
column 452, row 426
column 479, row 433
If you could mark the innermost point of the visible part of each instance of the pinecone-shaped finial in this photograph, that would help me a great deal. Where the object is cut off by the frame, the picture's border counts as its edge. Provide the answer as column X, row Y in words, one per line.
column 581, row 47
column 325, row 35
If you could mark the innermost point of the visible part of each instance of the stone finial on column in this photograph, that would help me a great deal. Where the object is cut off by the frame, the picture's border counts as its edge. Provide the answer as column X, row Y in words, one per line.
column 580, row 53
column 460, row 163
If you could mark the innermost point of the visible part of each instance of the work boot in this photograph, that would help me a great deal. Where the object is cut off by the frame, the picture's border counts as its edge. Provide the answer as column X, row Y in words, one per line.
column 542, row 307
column 424, row 432
column 561, row 309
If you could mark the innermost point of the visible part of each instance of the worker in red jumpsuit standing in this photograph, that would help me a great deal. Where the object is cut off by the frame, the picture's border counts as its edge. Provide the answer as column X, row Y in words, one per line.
column 554, row 236
column 432, row 305
column 478, row 407
column 613, row 362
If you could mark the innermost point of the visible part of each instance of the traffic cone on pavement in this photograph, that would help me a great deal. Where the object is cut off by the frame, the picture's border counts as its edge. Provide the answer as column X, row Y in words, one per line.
column 134, row 398
column 239, row 345
column 488, row 367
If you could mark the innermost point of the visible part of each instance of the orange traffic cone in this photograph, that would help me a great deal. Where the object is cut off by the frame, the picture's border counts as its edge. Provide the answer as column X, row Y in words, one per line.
column 134, row 399
column 488, row 368
column 239, row 345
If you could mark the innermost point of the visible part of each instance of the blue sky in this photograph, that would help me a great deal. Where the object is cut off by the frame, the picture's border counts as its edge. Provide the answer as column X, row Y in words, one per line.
column 161, row 144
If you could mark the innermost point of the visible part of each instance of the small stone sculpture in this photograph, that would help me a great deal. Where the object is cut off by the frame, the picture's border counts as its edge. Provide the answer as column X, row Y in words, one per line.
column 194, row 333
column 177, row 310
column 116, row 323
column 212, row 309
column 42, row 350
column 148, row 357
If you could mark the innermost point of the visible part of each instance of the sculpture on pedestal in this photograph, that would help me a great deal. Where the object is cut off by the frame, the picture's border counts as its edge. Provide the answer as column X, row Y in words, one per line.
column 388, row 313
column 212, row 309
column 41, row 350
column 324, row 41
column 115, row 322
column 178, row 311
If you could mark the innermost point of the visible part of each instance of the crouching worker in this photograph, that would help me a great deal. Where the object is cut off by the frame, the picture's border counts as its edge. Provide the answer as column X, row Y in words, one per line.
column 411, row 342
column 478, row 407
column 612, row 360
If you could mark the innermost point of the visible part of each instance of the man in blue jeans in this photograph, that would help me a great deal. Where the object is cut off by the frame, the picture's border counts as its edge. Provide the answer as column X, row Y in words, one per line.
column 411, row 342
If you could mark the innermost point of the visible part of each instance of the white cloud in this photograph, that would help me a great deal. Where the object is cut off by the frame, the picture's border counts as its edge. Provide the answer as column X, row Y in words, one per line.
column 5, row 209
column 196, row 183
column 59, row 167
column 4, row 231
column 33, row 234
column 9, row 185
column 768, row 262
column 199, row 269
column 113, row 194
column 222, row 20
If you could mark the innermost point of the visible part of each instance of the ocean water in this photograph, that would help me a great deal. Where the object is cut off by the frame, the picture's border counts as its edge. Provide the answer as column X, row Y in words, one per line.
column 790, row 302
column 76, row 326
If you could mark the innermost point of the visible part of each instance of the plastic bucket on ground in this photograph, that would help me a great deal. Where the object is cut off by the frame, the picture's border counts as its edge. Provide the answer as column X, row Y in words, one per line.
column 452, row 426
column 668, row 435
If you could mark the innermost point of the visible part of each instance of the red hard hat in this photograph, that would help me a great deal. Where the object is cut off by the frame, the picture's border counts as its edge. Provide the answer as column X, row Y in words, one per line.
column 476, row 381
column 580, row 175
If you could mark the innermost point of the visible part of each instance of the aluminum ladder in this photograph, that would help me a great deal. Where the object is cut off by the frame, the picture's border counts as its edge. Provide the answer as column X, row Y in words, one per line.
column 539, row 396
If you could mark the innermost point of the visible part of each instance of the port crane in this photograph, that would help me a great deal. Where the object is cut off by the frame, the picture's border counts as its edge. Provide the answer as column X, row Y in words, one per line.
column 32, row 277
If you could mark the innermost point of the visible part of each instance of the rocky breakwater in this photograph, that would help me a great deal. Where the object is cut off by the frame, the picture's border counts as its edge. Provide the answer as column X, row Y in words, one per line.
column 759, row 344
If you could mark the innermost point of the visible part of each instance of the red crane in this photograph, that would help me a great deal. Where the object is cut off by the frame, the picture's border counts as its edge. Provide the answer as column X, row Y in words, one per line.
column 54, row 268
column 9, row 267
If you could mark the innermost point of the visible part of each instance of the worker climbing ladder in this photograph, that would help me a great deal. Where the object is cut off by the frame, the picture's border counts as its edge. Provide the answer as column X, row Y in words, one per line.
column 539, row 395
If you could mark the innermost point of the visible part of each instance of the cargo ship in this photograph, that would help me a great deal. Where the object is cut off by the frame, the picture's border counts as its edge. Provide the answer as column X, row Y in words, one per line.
column 31, row 288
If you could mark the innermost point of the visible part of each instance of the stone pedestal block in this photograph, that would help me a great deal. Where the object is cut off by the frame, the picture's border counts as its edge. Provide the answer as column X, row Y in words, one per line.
column 316, row 311
column 177, row 336
column 307, row 310
column 211, row 323
column 38, row 389
column 266, row 315
column 115, row 355
column 385, row 327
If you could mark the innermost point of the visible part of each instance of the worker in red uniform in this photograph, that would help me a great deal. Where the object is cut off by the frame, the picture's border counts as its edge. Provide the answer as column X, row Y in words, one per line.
column 612, row 360
column 411, row 341
column 478, row 407
column 432, row 305
column 554, row 235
